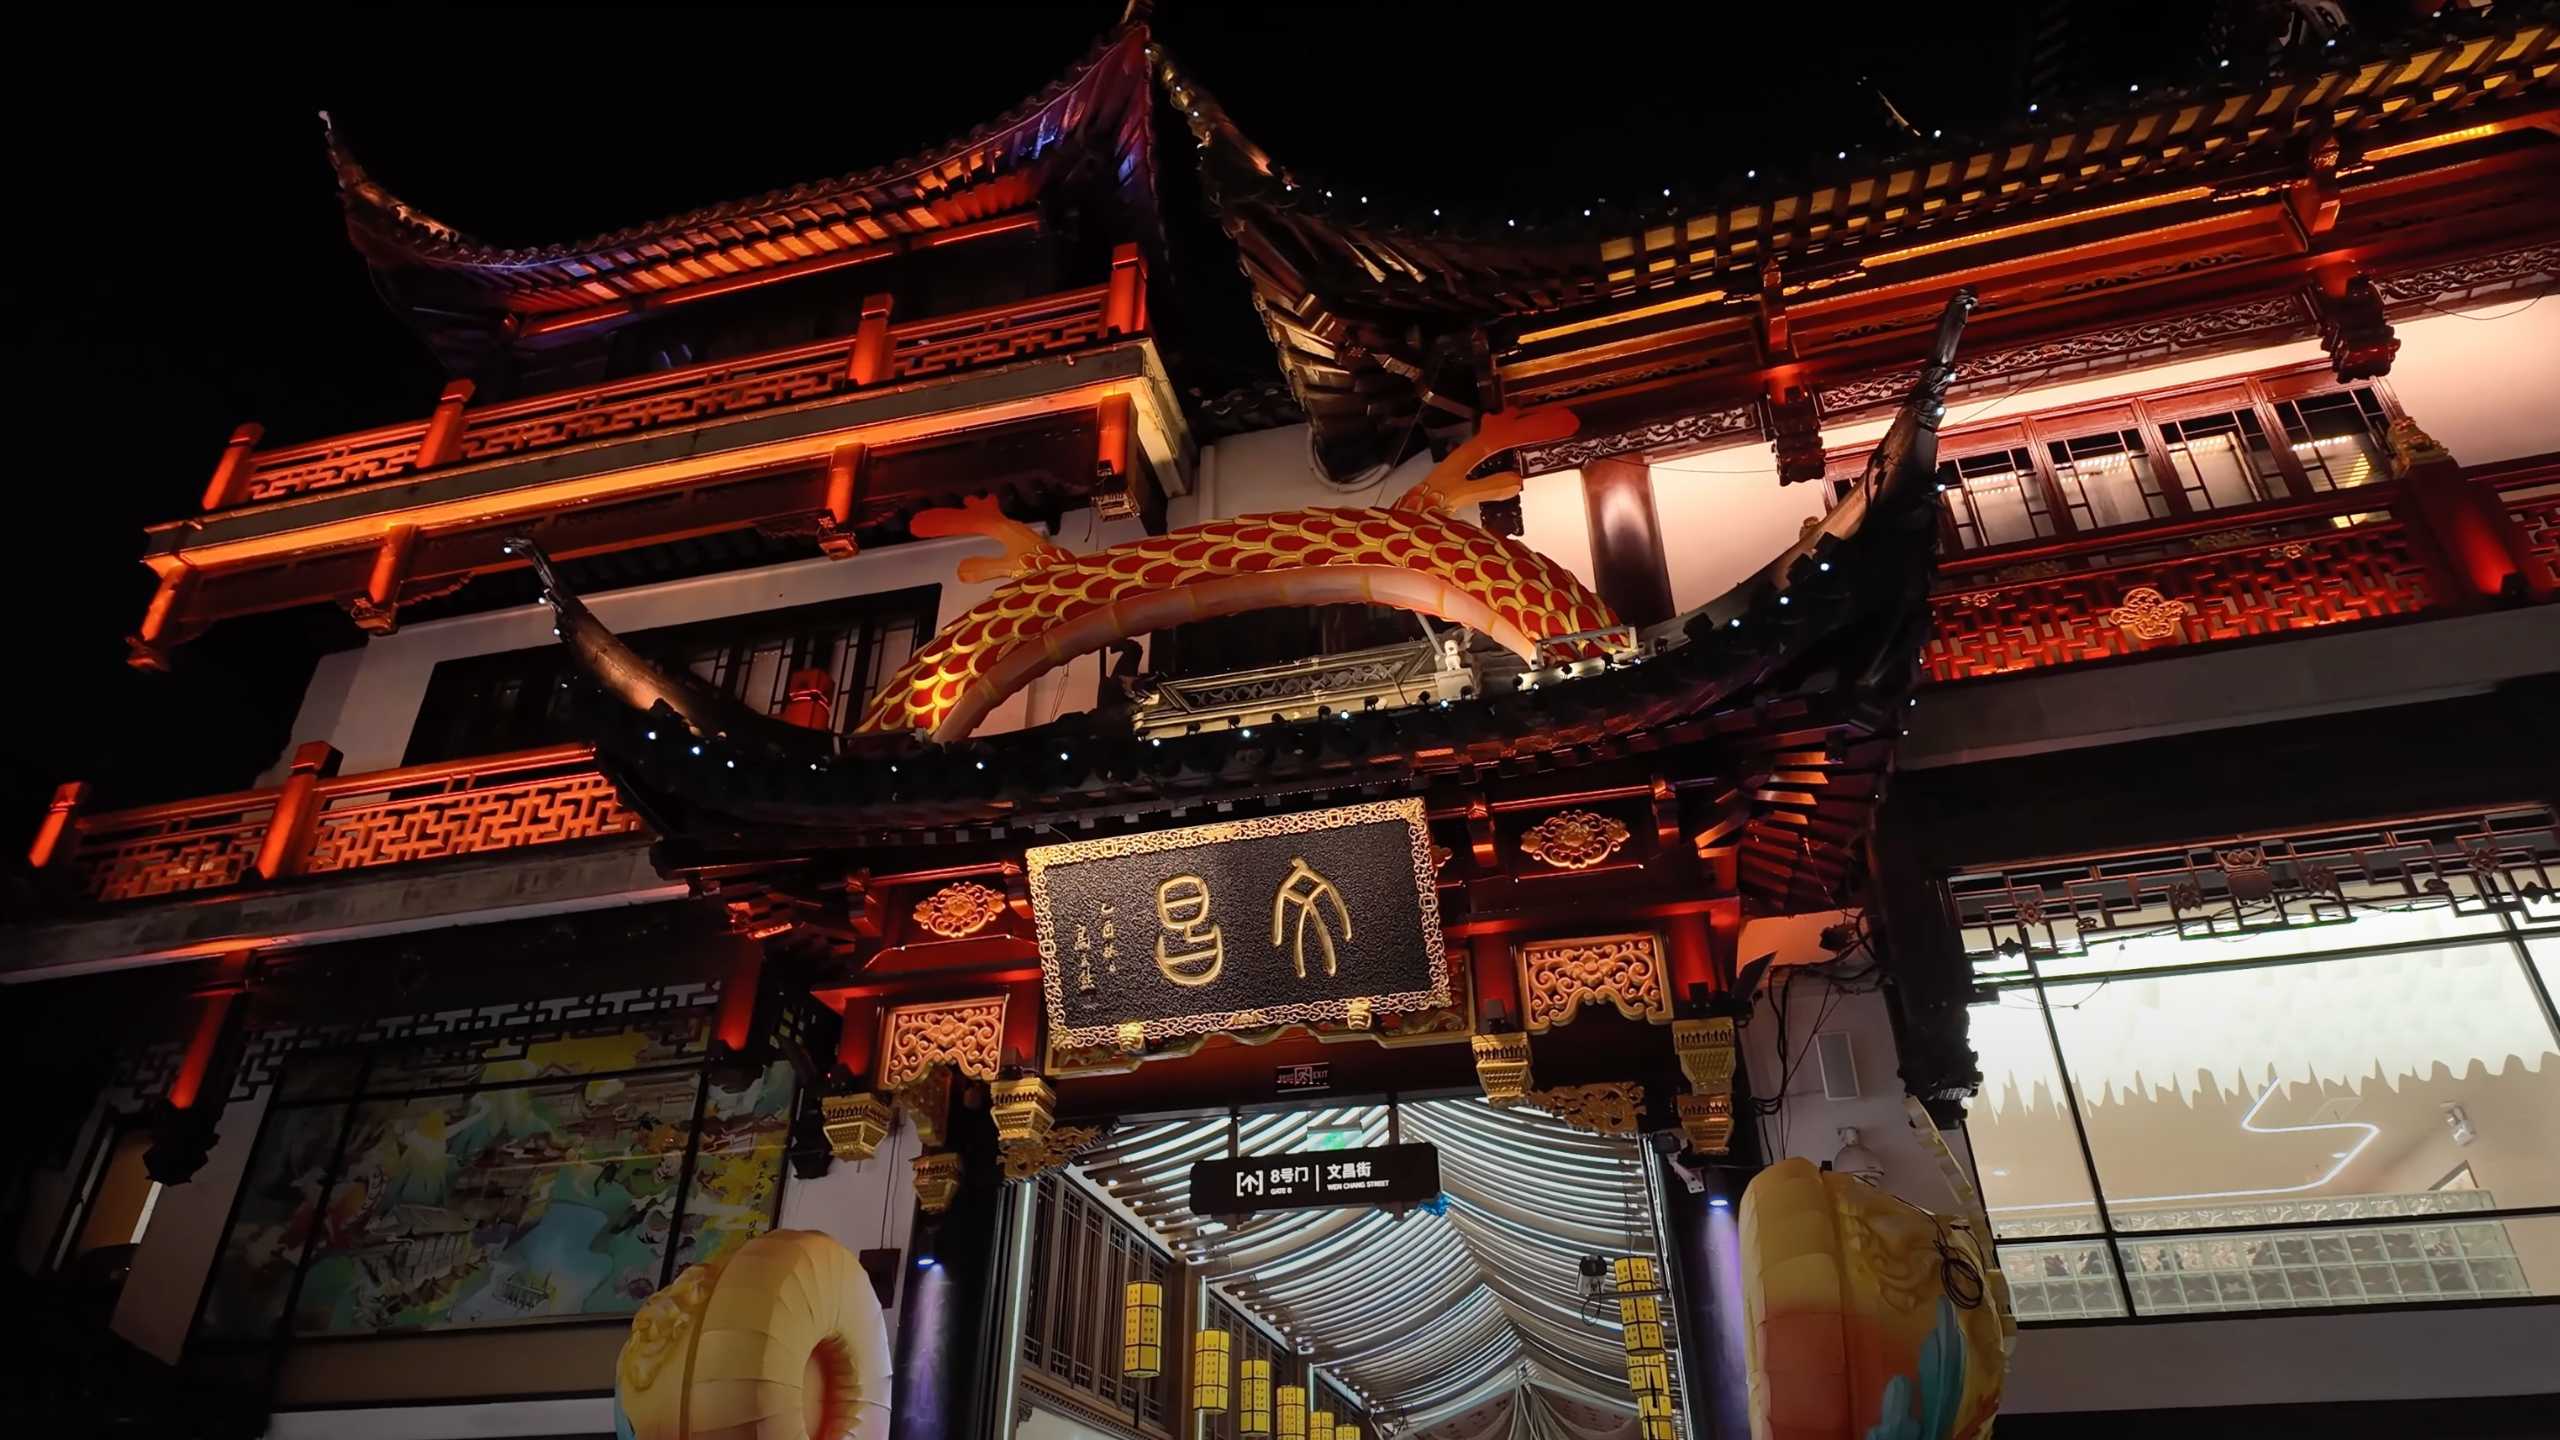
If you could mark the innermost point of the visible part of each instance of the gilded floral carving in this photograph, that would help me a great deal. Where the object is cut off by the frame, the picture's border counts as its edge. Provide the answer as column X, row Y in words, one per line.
column 1059, row 1146
column 963, row 907
column 967, row 1035
column 1610, row 1108
column 1557, row 976
column 2146, row 614
column 1573, row 839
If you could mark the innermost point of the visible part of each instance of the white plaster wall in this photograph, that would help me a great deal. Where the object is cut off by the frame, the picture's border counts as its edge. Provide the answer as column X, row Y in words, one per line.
column 2002, row 405
column 1811, row 1124
column 1555, row 523
column 2286, row 1360
column 2483, row 381
column 159, row 1301
column 1724, row 517
column 364, row 701
column 865, row 1206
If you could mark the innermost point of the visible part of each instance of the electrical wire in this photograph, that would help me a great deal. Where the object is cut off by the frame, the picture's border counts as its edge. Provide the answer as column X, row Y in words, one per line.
column 2480, row 319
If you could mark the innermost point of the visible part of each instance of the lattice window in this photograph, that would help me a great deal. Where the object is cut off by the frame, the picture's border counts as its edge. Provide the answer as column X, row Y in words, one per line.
column 2212, row 1074
column 2337, row 437
column 1994, row 498
column 521, row 699
column 2107, row 479
column 2222, row 459
column 2150, row 458
column 1083, row 1258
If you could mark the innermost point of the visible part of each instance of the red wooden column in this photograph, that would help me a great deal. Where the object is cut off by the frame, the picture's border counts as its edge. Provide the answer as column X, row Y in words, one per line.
column 287, row 843
column 61, row 820
column 184, row 1118
column 1626, row 540
column 2476, row 539
column 236, row 469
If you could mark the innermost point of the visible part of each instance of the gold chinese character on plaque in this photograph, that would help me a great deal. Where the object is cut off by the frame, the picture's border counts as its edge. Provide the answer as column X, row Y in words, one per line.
column 1182, row 904
column 1302, row 888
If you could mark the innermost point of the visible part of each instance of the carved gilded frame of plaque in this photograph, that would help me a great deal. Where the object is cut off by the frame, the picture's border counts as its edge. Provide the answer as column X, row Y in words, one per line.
column 1558, row 977
column 1062, row 1035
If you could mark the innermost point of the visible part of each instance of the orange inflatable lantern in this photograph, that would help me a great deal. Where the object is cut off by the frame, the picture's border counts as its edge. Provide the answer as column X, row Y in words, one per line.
column 1867, row 1318
column 782, row 1340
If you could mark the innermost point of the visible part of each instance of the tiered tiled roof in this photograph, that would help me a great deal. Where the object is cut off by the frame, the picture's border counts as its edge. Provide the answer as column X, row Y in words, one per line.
column 1355, row 288
column 435, row 273
column 1788, row 688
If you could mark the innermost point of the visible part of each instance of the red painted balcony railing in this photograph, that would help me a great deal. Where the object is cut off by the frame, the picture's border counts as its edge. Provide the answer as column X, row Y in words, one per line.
column 318, row 822
column 877, row 353
column 2532, row 496
column 2341, row 558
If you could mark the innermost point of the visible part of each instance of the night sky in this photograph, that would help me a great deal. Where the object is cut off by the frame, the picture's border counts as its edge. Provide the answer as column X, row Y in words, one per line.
column 176, row 260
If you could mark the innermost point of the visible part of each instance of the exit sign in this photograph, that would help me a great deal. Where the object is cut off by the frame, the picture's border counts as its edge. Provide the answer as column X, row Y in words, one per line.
column 1316, row 1180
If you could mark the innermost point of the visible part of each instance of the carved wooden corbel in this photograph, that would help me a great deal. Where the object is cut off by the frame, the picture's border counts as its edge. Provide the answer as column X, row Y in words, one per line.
column 938, row 1181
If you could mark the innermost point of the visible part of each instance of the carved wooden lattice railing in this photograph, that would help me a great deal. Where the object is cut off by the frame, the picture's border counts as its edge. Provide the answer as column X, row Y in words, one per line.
column 2297, row 566
column 316, row 823
column 2343, row 557
column 878, row 354
column 2532, row 496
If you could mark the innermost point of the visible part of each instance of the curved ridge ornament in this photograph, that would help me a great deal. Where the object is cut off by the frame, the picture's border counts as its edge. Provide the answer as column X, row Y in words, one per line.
column 1413, row 555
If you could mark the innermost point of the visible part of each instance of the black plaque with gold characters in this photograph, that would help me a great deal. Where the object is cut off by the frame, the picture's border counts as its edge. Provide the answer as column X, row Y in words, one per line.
column 1282, row 919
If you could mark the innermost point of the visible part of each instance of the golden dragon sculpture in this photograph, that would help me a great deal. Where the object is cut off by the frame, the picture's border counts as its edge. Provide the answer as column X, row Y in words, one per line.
column 1415, row 555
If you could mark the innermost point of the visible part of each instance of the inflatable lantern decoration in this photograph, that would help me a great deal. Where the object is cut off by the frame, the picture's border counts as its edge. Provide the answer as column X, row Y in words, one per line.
column 782, row 1340
column 1868, row 1318
column 1415, row 555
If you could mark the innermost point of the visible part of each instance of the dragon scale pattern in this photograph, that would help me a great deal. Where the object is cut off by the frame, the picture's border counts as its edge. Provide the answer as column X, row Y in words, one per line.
column 1061, row 606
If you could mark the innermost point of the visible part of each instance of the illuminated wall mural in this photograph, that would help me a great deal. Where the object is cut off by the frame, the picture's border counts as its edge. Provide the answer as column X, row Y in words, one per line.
column 499, row 1184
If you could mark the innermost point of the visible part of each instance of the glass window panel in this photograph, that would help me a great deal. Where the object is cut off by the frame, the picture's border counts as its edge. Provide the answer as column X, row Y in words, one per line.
column 2221, row 460
column 2545, row 950
column 1995, row 499
column 277, row 1209
column 499, row 1206
column 2261, row 1094
column 2337, row 438
column 737, row 1168
column 2390, row 1262
column 2061, row 1279
column 2024, row 1148
column 2107, row 479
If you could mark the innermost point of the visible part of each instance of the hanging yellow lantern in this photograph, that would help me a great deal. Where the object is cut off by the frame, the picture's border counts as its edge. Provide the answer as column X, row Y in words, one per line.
column 1319, row 1425
column 1649, row 1374
column 1289, row 1411
column 1253, row 1398
column 1142, row 1331
column 1640, row 1317
column 1653, row 1417
column 1209, row 1371
column 1634, row 1274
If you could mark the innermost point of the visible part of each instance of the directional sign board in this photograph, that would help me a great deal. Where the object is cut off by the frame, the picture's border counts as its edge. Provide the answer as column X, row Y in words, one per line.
column 1316, row 1180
